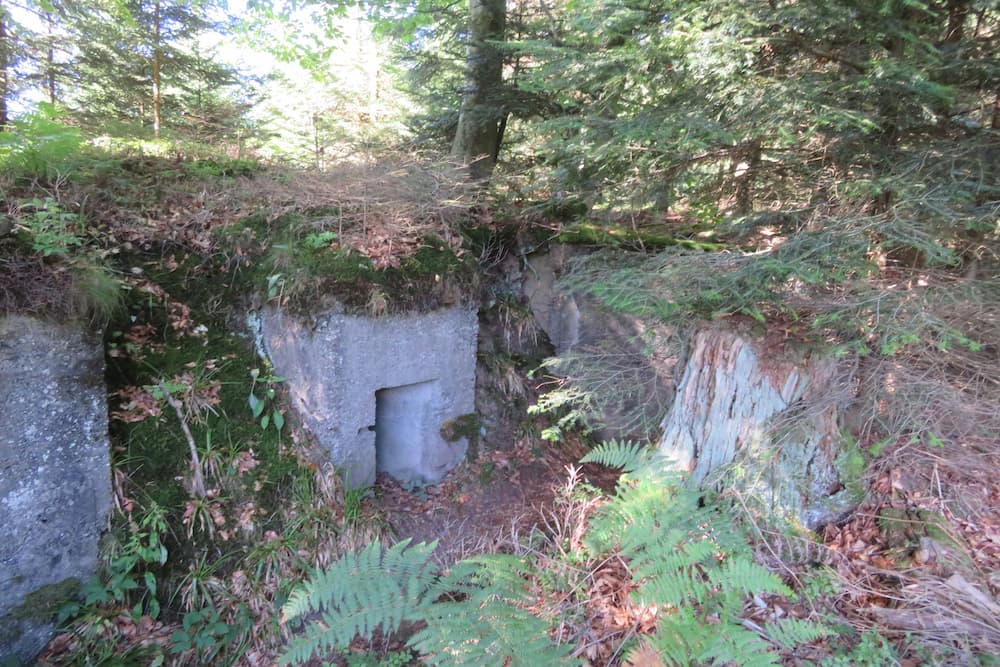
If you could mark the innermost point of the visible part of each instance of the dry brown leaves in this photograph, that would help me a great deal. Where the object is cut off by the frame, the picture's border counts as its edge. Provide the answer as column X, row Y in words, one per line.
column 930, row 570
column 137, row 404
column 122, row 631
column 611, row 614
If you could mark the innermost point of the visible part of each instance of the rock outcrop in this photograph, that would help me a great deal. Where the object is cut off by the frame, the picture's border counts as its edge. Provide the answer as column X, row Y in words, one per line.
column 628, row 354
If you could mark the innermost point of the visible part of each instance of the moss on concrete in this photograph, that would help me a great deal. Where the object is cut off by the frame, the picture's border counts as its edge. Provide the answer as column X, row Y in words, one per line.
column 464, row 426
column 45, row 602
column 312, row 269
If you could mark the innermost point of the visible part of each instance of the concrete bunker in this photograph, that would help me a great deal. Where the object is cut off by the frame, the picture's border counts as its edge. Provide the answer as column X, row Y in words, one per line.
column 376, row 392
column 406, row 420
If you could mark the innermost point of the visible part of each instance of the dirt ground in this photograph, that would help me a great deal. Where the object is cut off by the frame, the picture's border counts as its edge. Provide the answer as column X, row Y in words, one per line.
column 480, row 504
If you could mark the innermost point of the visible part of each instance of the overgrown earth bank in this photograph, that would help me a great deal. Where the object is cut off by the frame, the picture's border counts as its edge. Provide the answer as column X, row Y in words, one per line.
column 514, row 334
column 827, row 526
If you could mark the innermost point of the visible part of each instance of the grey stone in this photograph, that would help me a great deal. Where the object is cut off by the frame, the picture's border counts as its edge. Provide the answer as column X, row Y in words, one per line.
column 376, row 392
column 631, row 357
column 55, row 481
column 776, row 414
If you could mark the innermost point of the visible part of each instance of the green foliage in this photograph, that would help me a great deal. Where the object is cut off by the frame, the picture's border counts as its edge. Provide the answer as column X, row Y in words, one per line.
column 479, row 621
column 628, row 456
column 129, row 577
column 358, row 594
column 38, row 145
column 390, row 659
column 263, row 408
column 871, row 650
column 611, row 376
column 488, row 625
column 688, row 561
column 52, row 230
column 205, row 633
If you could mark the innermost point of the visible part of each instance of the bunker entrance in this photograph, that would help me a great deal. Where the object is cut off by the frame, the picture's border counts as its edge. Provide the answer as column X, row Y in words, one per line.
column 407, row 421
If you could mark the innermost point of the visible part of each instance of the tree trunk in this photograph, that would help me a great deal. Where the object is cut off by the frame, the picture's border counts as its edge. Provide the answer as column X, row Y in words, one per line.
column 477, row 139
column 157, row 101
column 958, row 11
column 774, row 413
column 4, row 60
column 50, row 73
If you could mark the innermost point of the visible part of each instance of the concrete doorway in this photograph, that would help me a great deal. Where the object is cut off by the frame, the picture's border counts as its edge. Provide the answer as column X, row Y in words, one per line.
column 407, row 419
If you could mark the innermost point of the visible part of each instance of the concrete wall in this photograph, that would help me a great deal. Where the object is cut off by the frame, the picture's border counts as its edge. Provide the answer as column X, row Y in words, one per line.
column 357, row 381
column 55, row 480
column 634, row 347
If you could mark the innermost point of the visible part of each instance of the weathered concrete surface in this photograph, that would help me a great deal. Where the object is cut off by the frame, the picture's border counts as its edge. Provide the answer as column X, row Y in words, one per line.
column 628, row 356
column 55, row 480
column 776, row 414
column 376, row 391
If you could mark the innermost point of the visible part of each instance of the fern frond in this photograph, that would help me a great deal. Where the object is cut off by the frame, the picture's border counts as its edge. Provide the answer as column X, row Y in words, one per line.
column 489, row 626
column 676, row 588
column 734, row 644
column 627, row 455
column 483, row 631
column 790, row 632
column 744, row 576
column 681, row 635
column 673, row 558
column 358, row 593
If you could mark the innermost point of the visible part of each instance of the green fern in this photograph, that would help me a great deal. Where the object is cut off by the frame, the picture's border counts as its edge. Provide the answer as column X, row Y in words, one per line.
column 791, row 632
column 691, row 563
column 484, row 621
column 627, row 455
column 359, row 593
column 488, row 624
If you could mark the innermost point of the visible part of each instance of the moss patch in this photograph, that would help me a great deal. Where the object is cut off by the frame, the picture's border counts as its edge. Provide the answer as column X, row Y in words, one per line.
column 616, row 236
column 45, row 602
column 307, row 264
column 464, row 426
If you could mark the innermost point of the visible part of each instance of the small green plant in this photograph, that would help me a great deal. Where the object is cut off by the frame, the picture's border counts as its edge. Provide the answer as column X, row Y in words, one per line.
column 52, row 230
column 353, row 503
column 319, row 240
column 275, row 286
column 263, row 407
column 871, row 650
column 206, row 633
column 390, row 659
column 128, row 578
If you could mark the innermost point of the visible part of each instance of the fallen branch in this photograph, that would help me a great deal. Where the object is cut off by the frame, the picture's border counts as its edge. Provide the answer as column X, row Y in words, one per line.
column 199, row 480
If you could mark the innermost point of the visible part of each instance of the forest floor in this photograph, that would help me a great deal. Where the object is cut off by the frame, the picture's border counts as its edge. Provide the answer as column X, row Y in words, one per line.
column 484, row 504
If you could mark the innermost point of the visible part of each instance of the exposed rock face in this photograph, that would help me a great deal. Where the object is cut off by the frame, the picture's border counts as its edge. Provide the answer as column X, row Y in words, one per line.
column 55, row 480
column 625, row 348
column 376, row 392
column 779, row 416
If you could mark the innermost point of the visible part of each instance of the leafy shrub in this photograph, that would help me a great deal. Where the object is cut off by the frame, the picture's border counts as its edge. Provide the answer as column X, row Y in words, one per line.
column 38, row 145
column 52, row 230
